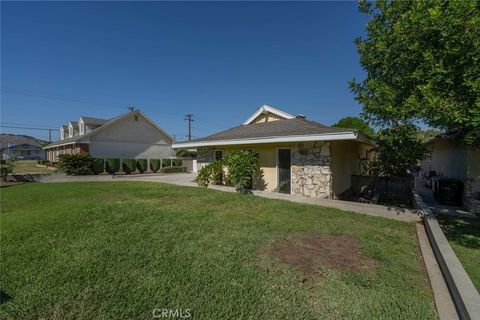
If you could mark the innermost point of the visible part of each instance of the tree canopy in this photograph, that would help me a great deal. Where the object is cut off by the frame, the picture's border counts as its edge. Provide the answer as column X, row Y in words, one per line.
column 423, row 64
column 355, row 123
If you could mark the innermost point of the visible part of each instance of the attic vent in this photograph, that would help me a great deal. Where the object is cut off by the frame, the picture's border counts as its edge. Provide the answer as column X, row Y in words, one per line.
column 301, row 116
column 136, row 117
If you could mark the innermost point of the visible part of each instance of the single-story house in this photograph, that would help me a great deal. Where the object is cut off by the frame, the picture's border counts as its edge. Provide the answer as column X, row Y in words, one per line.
column 25, row 151
column 452, row 158
column 128, row 136
column 295, row 155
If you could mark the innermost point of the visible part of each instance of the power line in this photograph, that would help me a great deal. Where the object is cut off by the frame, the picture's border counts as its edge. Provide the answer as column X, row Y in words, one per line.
column 28, row 124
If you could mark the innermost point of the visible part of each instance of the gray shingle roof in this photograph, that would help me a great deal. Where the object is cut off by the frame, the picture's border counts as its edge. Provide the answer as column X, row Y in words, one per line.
column 80, row 137
column 287, row 127
column 93, row 121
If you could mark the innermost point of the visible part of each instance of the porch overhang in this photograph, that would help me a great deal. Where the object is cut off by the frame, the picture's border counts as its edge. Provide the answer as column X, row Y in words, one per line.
column 348, row 135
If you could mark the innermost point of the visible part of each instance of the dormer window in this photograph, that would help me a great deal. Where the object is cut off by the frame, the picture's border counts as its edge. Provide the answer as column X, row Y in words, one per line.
column 82, row 128
column 70, row 131
column 62, row 134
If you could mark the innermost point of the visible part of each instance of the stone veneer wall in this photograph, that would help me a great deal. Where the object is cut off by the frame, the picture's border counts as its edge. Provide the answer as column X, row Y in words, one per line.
column 311, row 173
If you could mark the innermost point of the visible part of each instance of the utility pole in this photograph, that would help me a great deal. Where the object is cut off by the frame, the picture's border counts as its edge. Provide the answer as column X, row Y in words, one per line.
column 50, row 135
column 188, row 118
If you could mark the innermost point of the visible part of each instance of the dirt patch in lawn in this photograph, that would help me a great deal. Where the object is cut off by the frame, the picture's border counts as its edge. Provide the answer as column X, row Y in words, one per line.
column 340, row 252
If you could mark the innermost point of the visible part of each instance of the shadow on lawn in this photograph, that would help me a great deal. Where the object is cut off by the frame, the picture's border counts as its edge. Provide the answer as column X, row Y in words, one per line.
column 463, row 231
column 4, row 297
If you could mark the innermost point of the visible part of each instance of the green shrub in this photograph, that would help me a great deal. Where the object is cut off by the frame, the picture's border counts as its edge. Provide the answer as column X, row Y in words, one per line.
column 98, row 164
column 154, row 165
column 6, row 167
column 216, row 172
column 142, row 165
column 173, row 169
column 211, row 173
column 204, row 176
column 166, row 163
column 242, row 166
column 75, row 164
column 176, row 162
column 112, row 165
column 128, row 165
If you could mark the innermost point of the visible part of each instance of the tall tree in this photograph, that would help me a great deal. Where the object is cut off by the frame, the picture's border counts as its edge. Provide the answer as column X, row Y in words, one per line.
column 355, row 123
column 423, row 64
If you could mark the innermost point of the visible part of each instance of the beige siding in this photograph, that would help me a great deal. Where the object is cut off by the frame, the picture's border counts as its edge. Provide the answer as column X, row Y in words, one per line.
column 449, row 158
column 345, row 157
column 345, row 162
column 131, row 138
column 267, row 117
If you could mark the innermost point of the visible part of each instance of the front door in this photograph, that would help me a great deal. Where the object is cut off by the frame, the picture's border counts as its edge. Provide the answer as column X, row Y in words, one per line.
column 283, row 171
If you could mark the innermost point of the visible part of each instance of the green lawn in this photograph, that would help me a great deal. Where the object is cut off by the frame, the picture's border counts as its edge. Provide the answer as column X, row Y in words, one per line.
column 464, row 237
column 30, row 166
column 118, row 250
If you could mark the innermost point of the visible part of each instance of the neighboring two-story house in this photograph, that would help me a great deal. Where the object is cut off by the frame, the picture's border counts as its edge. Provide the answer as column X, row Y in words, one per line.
column 128, row 136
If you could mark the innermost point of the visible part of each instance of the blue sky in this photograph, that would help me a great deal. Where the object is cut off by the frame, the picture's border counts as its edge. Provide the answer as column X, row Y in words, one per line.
column 217, row 60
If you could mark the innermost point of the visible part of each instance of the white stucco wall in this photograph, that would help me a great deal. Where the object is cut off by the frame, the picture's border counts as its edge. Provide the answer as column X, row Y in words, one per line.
column 456, row 160
column 131, row 139
column 449, row 158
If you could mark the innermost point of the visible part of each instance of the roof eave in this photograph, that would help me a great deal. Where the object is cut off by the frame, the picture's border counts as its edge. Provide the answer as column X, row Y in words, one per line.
column 348, row 135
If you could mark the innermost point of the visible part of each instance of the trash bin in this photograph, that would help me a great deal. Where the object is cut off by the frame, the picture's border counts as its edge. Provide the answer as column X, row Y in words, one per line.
column 448, row 191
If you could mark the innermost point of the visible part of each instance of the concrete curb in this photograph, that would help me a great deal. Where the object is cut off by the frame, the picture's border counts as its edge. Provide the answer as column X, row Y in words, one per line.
column 465, row 297
column 443, row 300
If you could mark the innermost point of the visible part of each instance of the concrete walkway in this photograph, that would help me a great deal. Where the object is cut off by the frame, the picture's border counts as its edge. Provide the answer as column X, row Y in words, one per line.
column 188, row 179
column 435, row 206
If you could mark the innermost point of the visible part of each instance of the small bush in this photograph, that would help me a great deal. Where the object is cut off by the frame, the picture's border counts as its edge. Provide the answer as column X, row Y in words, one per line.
column 75, row 164
column 128, row 165
column 142, row 165
column 166, row 163
column 6, row 167
column 98, row 165
column 154, row 165
column 216, row 172
column 204, row 176
column 112, row 165
column 173, row 169
column 176, row 162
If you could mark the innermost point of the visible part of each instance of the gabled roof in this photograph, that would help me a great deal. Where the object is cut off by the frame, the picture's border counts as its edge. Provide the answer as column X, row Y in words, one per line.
column 93, row 121
column 266, row 108
column 288, row 130
column 64, row 127
column 83, row 138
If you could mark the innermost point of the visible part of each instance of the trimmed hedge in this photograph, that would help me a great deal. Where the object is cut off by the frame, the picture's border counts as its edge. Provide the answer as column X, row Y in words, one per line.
column 142, row 165
column 154, row 165
column 112, row 165
column 128, row 165
column 97, row 165
column 176, row 162
column 173, row 169
column 166, row 163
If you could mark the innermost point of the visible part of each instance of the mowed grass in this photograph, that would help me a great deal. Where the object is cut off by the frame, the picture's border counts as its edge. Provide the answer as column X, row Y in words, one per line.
column 30, row 166
column 118, row 250
column 464, row 237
